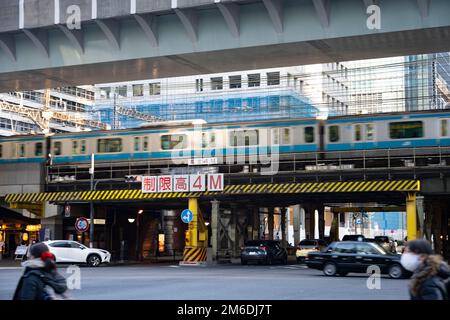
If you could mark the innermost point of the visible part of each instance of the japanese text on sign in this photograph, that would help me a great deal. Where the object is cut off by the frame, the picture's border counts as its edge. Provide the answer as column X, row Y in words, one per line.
column 182, row 183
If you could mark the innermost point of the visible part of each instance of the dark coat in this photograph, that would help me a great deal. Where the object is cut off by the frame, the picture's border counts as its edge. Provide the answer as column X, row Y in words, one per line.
column 434, row 287
column 34, row 282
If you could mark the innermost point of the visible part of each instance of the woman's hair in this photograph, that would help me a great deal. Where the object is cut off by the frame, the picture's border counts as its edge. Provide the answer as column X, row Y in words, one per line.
column 420, row 247
column 429, row 266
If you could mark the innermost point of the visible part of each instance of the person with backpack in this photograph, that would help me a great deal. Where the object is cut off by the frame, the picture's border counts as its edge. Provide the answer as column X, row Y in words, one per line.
column 40, row 280
column 431, row 274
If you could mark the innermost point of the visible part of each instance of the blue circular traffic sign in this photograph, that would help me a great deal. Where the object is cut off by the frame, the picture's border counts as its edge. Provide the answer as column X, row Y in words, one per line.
column 187, row 216
column 82, row 224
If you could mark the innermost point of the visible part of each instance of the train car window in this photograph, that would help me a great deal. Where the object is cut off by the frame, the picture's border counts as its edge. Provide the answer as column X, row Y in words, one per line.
column 243, row 138
column 145, row 144
column 83, row 146
column 369, row 131
column 275, row 136
column 109, row 145
column 137, row 143
column 333, row 133
column 38, row 149
column 309, row 134
column 286, row 136
column 75, row 147
column 208, row 140
column 444, row 128
column 406, row 130
column 57, row 148
column 1, row 151
column 173, row 141
column 21, row 151
column 357, row 131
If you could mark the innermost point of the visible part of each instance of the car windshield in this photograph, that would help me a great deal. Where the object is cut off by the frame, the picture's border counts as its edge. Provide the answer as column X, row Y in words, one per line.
column 380, row 249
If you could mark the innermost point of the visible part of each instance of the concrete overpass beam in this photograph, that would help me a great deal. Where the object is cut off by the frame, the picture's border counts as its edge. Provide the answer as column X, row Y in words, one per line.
column 111, row 29
column 76, row 37
column 230, row 12
column 39, row 39
column 275, row 10
column 323, row 12
column 189, row 19
column 148, row 24
column 8, row 45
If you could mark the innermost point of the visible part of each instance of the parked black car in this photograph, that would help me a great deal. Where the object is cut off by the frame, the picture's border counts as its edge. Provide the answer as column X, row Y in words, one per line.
column 353, row 237
column 263, row 251
column 340, row 258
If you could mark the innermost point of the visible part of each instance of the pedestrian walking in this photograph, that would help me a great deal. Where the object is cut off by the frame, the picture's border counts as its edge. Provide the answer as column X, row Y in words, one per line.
column 430, row 273
column 40, row 280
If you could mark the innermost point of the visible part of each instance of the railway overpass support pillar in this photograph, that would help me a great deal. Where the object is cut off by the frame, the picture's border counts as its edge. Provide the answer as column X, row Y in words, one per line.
column 284, row 212
column 411, row 216
column 215, row 207
column 334, row 230
column 271, row 222
column 296, row 223
column 321, row 213
column 310, row 221
column 256, row 223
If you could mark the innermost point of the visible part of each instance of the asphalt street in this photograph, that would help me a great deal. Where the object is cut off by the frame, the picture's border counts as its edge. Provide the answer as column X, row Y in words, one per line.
column 221, row 282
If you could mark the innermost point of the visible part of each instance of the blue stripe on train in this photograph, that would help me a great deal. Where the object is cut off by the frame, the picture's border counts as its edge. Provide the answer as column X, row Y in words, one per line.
column 388, row 144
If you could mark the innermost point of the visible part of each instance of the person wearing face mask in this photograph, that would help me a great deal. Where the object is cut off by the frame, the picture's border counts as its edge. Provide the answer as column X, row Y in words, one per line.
column 430, row 273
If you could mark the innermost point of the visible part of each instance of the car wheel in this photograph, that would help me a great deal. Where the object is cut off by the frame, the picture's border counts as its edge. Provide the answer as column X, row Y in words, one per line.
column 244, row 262
column 396, row 271
column 94, row 260
column 330, row 269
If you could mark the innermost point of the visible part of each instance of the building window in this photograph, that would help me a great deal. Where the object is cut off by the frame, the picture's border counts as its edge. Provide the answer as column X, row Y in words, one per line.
column 406, row 130
column 235, row 82
column 155, row 89
column 333, row 133
column 173, row 141
column 243, row 138
column 217, row 83
column 109, row 145
column 254, row 80
column 199, row 85
column 358, row 134
column 309, row 134
column 444, row 128
column 145, row 144
column 137, row 143
column 369, row 131
column 273, row 78
column 138, row 90
column 57, row 148
column 38, row 149
column 122, row 91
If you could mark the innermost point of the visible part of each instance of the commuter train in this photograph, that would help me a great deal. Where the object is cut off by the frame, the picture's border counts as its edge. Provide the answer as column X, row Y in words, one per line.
column 185, row 140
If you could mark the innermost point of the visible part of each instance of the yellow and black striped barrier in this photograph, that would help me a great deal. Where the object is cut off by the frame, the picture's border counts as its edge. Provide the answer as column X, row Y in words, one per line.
column 194, row 256
column 238, row 189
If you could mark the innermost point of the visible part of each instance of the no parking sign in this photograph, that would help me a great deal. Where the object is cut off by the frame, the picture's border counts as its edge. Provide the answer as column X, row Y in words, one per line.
column 82, row 224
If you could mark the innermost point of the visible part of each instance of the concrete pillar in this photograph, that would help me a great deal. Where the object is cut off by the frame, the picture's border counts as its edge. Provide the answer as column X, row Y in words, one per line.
column 310, row 223
column 215, row 229
column 262, row 224
column 283, row 212
column 233, row 231
column 296, row 224
column 321, row 211
column 270, row 223
column 256, row 223
column 169, row 217
column 420, row 217
column 334, row 230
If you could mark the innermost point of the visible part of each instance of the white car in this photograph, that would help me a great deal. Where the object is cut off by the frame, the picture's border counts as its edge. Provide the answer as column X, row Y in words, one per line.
column 66, row 251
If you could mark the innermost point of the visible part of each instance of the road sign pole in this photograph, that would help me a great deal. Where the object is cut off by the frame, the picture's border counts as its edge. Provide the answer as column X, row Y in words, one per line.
column 91, row 229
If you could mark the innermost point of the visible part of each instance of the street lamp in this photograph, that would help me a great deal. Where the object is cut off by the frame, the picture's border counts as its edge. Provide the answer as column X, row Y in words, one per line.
column 131, row 220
